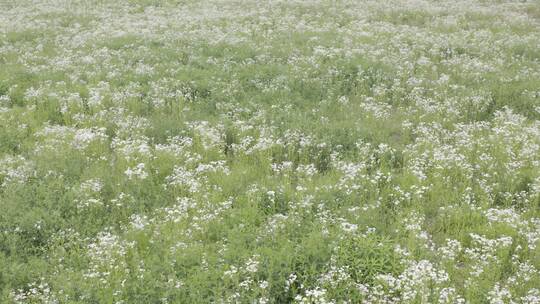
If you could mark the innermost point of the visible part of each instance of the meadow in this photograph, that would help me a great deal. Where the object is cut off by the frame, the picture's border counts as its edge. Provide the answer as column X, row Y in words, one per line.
column 308, row 152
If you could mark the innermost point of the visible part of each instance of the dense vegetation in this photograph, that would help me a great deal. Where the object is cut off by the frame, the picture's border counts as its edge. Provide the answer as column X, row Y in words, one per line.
column 156, row 151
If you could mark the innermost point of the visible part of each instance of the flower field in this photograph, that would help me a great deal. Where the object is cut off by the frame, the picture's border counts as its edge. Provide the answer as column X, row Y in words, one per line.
column 309, row 152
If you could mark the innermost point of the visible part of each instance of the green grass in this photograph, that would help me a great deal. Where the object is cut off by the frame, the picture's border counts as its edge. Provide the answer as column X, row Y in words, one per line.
column 248, row 152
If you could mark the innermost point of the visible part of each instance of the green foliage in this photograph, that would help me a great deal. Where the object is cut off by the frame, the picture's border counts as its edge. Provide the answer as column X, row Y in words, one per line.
column 367, row 257
column 173, row 151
